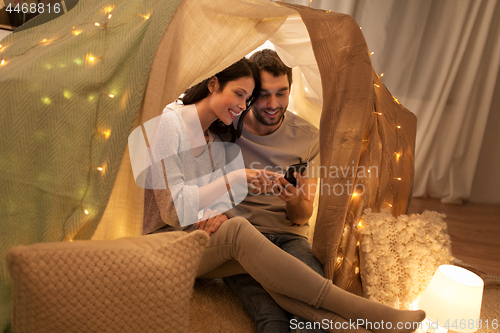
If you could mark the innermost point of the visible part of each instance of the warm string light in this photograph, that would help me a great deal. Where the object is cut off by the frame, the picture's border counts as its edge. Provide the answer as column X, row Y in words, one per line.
column 146, row 17
column 372, row 53
column 360, row 224
column 381, row 74
column 86, row 212
column 378, row 113
column 397, row 178
column 376, row 85
column 2, row 62
column 389, row 205
column 99, row 168
column 398, row 126
column 111, row 96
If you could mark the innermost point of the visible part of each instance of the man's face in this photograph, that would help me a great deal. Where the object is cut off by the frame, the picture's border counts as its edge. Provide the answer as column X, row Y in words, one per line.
column 273, row 101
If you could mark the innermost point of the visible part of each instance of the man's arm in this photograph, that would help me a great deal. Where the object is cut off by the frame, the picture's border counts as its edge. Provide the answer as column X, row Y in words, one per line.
column 299, row 200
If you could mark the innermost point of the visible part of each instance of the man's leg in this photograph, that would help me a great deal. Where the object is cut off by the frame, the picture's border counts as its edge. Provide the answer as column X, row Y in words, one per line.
column 300, row 248
column 268, row 316
column 266, row 313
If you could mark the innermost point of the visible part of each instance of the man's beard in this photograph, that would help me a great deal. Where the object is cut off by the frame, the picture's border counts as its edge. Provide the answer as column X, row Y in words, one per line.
column 266, row 121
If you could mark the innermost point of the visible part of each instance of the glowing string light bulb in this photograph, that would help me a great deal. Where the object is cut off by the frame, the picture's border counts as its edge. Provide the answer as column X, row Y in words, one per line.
column 379, row 113
column 111, row 96
column 99, row 168
column 109, row 16
column 86, row 212
column 381, row 74
column 376, row 85
column 372, row 53
column 97, row 24
column 360, row 224
column 389, row 205
column 397, row 178
column 2, row 62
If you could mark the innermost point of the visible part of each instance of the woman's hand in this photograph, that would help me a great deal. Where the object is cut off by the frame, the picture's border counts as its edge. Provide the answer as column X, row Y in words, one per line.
column 260, row 179
column 211, row 221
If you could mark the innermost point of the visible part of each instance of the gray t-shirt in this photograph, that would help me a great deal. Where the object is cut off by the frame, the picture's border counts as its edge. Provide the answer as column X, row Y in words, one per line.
column 293, row 142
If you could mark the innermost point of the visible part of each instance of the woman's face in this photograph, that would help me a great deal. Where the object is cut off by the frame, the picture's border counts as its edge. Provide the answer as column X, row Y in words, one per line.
column 231, row 101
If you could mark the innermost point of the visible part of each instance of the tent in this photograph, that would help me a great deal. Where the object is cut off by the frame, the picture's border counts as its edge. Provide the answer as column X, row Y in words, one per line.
column 75, row 86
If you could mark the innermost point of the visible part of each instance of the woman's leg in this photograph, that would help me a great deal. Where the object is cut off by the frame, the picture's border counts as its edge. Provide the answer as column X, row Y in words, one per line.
column 329, row 321
column 272, row 267
column 277, row 270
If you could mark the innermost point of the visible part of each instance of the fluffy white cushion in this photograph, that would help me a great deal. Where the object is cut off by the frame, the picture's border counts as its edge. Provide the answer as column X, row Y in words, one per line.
column 135, row 284
column 400, row 255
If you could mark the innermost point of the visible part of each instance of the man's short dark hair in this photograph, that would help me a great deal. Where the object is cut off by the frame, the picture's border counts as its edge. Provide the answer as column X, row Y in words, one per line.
column 269, row 61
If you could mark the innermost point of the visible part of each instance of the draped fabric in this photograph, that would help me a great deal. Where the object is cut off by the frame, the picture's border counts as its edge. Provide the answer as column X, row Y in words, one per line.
column 367, row 144
column 441, row 59
column 70, row 92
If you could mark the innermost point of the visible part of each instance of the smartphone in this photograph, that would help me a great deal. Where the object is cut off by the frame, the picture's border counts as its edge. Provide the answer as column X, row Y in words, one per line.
column 299, row 167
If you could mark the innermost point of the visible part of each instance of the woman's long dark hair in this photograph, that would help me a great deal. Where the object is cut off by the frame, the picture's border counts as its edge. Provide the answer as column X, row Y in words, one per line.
column 241, row 68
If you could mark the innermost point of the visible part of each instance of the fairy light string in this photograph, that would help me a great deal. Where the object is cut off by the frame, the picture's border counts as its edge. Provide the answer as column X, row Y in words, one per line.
column 96, row 168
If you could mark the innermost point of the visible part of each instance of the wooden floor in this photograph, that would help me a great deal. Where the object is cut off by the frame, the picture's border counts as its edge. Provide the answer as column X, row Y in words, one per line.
column 474, row 230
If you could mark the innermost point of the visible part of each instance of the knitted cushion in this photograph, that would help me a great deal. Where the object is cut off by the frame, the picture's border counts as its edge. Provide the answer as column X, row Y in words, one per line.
column 400, row 255
column 135, row 284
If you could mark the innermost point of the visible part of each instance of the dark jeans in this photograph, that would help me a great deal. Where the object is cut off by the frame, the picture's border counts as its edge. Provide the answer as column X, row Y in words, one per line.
column 268, row 316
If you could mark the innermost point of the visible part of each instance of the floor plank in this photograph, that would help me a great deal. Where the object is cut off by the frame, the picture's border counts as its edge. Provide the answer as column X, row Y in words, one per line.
column 474, row 230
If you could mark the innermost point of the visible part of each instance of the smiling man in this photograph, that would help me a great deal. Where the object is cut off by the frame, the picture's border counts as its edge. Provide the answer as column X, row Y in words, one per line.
column 273, row 139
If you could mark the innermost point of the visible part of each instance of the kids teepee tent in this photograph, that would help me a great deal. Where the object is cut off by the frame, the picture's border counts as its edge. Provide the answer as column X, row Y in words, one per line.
column 74, row 85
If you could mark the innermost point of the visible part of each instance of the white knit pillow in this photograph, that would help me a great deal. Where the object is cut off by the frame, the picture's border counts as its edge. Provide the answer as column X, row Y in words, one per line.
column 135, row 284
column 400, row 255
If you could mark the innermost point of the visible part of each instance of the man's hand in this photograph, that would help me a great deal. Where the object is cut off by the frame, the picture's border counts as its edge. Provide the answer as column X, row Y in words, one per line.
column 286, row 191
column 299, row 200
column 211, row 221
